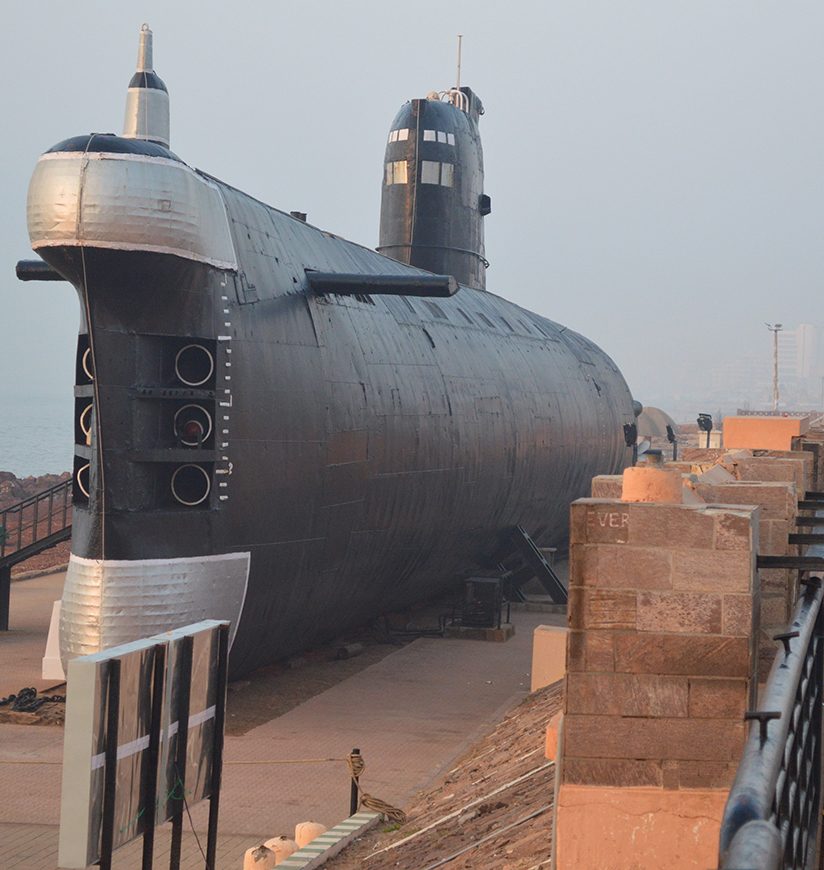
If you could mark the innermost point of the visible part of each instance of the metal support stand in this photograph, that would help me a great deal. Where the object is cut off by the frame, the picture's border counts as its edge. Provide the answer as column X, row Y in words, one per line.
column 217, row 758
column 110, row 765
column 5, row 596
column 148, row 798
column 182, row 714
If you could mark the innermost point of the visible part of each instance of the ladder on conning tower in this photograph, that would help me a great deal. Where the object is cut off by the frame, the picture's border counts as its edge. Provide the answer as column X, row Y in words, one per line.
column 29, row 527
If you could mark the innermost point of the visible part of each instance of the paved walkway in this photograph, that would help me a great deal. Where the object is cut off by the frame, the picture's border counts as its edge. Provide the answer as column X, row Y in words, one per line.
column 410, row 714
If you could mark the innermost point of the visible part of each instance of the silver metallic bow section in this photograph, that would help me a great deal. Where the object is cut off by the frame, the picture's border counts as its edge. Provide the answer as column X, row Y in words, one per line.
column 128, row 202
column 113, row 601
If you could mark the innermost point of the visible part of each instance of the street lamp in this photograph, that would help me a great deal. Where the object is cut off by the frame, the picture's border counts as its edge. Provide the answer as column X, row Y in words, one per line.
column 775, row 328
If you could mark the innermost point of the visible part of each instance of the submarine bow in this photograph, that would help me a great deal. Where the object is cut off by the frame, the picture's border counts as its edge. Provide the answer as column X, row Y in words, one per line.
column 280, row 427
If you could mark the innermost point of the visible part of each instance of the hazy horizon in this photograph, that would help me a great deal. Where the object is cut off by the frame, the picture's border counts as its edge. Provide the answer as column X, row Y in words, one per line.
column 655, row 169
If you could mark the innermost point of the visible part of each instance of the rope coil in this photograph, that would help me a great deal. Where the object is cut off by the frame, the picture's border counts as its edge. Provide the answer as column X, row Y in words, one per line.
column 26, row 700
column 356, row 766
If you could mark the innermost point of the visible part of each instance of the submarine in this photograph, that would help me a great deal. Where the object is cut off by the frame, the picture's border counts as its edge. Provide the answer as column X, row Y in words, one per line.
column 285, row 429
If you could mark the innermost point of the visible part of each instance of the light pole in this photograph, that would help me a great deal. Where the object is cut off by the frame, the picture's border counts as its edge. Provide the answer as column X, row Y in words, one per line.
column 775, row 328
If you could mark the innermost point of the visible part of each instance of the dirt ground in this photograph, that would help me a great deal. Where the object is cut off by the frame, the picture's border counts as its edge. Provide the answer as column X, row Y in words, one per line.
column 492, row 810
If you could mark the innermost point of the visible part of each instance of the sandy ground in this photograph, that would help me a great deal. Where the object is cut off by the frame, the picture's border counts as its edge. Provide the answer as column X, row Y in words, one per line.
column 411, row 708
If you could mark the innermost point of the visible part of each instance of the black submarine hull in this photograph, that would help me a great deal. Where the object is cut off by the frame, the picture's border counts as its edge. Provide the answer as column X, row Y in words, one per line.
column 365, row 450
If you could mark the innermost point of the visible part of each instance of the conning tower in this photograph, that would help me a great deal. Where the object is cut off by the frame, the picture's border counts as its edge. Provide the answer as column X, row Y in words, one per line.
column 433, row 203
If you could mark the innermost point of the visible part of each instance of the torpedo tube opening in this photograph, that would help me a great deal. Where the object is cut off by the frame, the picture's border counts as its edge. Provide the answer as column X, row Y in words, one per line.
column 87, row 364
column 190, row 485
column 83, row 418
column 194, row 365
column 81, row 478
column 192, row 425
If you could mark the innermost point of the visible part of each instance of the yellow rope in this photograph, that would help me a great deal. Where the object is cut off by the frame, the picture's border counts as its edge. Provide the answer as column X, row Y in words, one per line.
column 356, row 767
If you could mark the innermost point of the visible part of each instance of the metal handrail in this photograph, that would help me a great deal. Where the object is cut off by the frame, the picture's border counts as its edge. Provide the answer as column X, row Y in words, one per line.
column 55, row 514
column 778, row 783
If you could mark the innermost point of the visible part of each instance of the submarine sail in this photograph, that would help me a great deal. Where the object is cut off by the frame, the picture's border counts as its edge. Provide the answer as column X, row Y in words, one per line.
column 432, row 201
column 283, row 428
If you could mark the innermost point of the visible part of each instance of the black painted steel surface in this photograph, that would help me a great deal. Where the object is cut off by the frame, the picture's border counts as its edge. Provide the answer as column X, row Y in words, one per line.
column 367, row 450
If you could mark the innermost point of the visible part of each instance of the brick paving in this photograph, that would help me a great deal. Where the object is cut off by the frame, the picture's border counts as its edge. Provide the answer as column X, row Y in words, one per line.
column 410, row 714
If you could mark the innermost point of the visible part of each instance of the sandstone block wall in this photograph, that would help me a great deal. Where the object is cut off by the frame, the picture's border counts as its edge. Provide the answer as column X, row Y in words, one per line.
column 778, row 592
column 661, row 654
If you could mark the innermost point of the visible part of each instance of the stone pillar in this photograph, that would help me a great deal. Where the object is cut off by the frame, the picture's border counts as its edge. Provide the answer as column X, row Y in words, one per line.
column 778, row 510
column 661, row 659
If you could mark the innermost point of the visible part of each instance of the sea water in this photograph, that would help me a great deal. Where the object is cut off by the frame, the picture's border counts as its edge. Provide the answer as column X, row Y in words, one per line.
column 36, row 436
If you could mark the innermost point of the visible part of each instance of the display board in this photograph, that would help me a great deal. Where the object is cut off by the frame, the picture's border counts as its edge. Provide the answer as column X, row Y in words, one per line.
column 139, row 693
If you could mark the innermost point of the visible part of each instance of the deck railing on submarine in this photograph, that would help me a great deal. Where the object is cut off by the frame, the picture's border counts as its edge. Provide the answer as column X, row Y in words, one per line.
column 36, row 518
column 772, row 816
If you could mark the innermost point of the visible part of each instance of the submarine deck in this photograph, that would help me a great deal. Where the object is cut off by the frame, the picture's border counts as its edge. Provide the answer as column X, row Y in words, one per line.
column 411, row 713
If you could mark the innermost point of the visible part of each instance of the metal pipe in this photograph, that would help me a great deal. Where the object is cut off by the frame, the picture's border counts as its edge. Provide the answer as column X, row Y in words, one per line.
column 184, row 683
column 756, row 844
column 353, row 790
column 217, row 746
column 36, row 270
column 752, row 793
column 385, row 285
column 110, row 768
column 149, row 796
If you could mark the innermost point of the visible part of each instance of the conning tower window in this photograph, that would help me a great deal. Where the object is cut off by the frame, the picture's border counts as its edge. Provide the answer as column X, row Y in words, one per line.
column 433, row 172
column 399, row 135
column 396, row 172
column 439, row 136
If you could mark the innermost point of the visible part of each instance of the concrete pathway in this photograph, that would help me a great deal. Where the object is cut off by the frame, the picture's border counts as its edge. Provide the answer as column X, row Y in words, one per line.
column 410, row 714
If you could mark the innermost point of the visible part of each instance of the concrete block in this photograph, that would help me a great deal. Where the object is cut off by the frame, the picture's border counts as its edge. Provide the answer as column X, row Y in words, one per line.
column 607, row 486
column 642, row 828
column 588, row 736
column 713, row 571
column 763, row 433
column 652, row 484
column 679, row 612
column 651, row 695
column 624, row 772
column 595, row 608
column 590, row 651
column 692, row 655
column 470, row 632
column 705, row 774
column 655, row 525
column 553, row 737
column 549, row 643
column 717, row 698
column 52, row 666
column 740, row 615
column 620, row 566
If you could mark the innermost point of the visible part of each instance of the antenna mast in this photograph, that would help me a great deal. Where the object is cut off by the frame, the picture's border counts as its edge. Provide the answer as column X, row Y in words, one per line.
column 458, row 85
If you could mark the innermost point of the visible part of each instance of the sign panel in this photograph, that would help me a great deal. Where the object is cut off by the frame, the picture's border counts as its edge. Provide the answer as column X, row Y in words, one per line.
column 84, row 748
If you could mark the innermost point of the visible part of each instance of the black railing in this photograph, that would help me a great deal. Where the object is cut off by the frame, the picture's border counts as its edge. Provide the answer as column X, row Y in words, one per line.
column 772, row 815
column 35, row 519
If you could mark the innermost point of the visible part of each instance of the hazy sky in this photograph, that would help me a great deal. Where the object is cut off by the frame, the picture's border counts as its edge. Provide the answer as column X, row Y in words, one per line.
column 656, row 168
